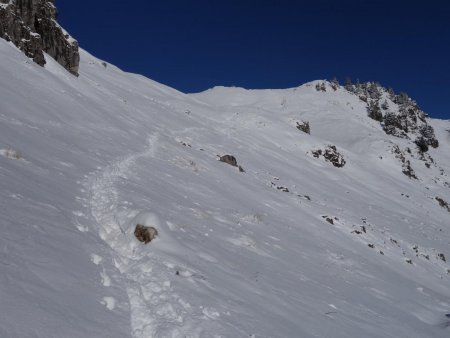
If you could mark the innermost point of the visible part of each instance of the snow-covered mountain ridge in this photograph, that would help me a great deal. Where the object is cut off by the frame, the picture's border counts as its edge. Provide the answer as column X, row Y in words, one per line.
column 292, row 247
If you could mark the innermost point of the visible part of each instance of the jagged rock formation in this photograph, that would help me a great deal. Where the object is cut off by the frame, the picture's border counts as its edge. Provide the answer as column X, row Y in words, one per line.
column 31, row 25
column 402, row 115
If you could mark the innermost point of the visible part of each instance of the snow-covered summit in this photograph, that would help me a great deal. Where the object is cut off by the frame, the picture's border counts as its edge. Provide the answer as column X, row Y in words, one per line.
column 339, row 232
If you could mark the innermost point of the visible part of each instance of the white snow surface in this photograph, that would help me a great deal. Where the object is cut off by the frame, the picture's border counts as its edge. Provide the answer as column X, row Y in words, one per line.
column 234, row 256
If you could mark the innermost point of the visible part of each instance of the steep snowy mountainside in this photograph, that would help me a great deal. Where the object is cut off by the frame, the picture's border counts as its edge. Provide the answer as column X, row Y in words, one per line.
column 292, row 247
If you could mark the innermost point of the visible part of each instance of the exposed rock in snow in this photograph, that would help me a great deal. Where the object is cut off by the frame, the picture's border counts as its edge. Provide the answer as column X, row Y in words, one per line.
column 31, row 25
column 144, row 233
column 330, row 154
column 231, row 160
column 443, row 203
column 304, row 127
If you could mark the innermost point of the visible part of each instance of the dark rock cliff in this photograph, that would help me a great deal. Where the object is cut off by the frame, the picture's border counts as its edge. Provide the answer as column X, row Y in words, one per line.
column 31, row 25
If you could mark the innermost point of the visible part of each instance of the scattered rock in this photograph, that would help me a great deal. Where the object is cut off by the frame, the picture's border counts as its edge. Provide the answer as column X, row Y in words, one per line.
column 317, row 153
column 330, row 154
column 304, row 127
column 334, row 83
column 328, row 219
column 231, row 160
column 284, row 189
column 395, row 242
column 321, row 86
column 406, row 165
column 409, row 261
column 145, row 234
column 441, row 256
column 361, row 230
column 427, row 257
column 372, row 246
column 443, row 203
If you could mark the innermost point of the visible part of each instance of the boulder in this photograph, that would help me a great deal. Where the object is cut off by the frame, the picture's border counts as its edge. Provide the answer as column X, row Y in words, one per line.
column 145, row 234
column 230, row 159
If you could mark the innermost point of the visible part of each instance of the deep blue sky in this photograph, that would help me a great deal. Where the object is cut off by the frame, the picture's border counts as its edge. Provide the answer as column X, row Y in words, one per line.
column 193, row 45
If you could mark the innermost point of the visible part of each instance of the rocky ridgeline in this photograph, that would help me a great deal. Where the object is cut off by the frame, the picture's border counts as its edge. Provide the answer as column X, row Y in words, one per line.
column 31, row 25
column 399, row 115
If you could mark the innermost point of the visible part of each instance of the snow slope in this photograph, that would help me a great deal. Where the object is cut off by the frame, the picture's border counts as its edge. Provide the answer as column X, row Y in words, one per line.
column 85, row 159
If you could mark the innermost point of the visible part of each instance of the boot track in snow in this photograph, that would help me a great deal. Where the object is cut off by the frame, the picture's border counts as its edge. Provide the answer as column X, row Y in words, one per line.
column 152, row 309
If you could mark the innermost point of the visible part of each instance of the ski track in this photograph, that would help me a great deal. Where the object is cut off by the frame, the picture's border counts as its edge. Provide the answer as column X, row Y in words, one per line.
column 155, row 309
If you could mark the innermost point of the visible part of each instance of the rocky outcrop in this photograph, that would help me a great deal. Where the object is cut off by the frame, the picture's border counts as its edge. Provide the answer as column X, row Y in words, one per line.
column 31, row 25
column 330, row 154
column 399, row 115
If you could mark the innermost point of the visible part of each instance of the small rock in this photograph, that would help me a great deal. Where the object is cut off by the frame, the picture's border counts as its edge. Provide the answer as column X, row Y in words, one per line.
column 304, row 127
column 230, row 159
column 393, row 241
column 145, row 234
